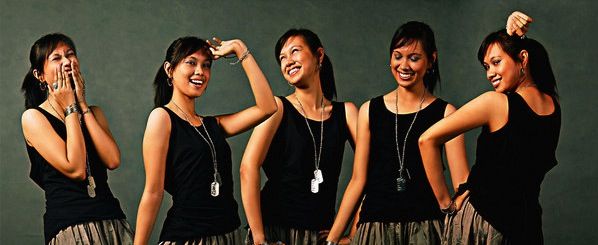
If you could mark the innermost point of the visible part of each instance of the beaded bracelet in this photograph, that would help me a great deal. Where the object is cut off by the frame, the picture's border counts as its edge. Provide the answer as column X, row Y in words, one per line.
column 451, row 209
column 243, row 56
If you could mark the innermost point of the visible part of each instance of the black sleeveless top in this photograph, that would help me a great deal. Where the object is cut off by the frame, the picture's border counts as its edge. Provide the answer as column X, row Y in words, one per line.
column 189, row 173
column 510, row 166
column 67, row 201
column 286, row 198
column 383, row 203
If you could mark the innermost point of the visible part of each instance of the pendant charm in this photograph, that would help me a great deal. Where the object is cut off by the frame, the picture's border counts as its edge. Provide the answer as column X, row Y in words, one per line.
column 215, row 189
column 217, row 178
column 401, row 184
column 315, row 186
column 91, row 191
column 92, row 182
column 318, row 176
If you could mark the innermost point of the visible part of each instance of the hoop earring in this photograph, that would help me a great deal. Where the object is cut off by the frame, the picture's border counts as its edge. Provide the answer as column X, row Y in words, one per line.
column 169, row 82
column 42, row 86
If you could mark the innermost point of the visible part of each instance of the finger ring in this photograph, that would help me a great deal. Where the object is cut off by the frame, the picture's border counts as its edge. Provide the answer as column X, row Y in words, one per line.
column 55, row 85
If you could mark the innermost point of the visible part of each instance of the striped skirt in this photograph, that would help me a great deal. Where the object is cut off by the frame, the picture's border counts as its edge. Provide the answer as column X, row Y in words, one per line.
column 231, row 238
column 290, row 236
column 422, row 232
column 113, row 232
column 468, row 227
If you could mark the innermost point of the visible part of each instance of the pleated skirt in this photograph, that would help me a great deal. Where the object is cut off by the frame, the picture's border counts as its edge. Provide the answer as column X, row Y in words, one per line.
column 290, row 236
column 422, row 232
column 111, row 232
column 231, row 238
column 467, row 227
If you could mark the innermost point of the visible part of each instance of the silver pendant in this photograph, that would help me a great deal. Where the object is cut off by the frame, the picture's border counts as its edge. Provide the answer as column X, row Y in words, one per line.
column 318, row 176
column 215, row 189
column 217, row 178
column 401, row 184
column 92, row 182
column 91, row 191
column 315, row 186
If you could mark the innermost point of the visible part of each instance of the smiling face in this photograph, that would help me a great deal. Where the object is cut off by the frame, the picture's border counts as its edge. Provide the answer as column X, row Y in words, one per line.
column 409, row 63
column 190, row 76
column 62, row 56
column 297, row 62
column 501, row 70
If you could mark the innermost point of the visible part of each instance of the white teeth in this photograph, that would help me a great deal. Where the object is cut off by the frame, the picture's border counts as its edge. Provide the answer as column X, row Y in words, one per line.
column 293, row 71
column 405, row 76
column 198, row 82
column 496, row 82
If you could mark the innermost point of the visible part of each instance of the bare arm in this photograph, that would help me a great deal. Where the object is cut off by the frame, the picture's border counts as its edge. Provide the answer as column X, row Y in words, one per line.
column 67, row 157
column 102, row 139
column 155, row 150
column 456, row 155
column 355, row 188
column 488, row 109
column 254, row 156
column 265, row 105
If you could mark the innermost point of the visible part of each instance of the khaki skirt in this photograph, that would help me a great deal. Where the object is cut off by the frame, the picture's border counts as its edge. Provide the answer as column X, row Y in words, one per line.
column 290, row 236
column 468, row 227
column 231, row 238
column 113, row 232
column 422, row 232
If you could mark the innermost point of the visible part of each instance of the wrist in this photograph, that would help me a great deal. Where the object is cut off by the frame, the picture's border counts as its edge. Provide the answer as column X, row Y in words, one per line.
column 450, row 209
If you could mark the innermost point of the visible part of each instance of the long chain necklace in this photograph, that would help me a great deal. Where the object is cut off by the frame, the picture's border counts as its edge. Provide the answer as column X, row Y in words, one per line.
column 215, row 186
column 401, row 180
column 318, row 176
column 91, row 184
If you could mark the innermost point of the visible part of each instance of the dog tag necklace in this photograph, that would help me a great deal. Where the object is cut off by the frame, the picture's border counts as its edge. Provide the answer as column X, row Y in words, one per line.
column 318, row 176
column 215, row 186
column 91, row 184
column 401, row 180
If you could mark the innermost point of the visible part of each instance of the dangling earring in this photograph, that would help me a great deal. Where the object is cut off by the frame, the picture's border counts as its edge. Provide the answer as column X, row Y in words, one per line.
column 521, row 72
column 320, row 66
column 169, row 82
column 43, row 86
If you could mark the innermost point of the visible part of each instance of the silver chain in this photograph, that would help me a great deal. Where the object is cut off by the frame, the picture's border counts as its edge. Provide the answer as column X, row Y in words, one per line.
column 317, row 155
column 208, row 140
column 400, row 156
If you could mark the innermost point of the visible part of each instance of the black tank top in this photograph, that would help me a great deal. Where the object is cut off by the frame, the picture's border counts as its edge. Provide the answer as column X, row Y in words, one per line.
column 383, row 203
column 195, row 213
column 286, row 198
column 510, row 166
column 67, row 201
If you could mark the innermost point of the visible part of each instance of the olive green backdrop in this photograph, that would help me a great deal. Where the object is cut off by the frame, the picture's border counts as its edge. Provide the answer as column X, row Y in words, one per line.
column 121, row 45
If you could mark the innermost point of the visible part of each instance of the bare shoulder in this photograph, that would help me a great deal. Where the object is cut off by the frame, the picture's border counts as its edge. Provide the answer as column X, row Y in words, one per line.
column 350, row 108
column 158, row 115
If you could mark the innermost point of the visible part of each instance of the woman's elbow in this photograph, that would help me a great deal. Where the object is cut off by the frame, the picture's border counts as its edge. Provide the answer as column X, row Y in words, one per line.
column 78, row 174
column 246, row 172
column 113, row 163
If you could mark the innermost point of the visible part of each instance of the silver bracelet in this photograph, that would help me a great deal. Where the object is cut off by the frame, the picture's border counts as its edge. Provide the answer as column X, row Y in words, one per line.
column 73, row 108
column 243, row 56
column 331, row 243
column 86, row 111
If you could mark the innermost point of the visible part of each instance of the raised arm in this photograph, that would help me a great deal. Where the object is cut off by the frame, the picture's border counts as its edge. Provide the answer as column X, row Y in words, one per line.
column 355, row 187
column 254, row 156
column 68, row 157
column 155, row 150
column 96, row 124
column 488, row 109
column 265, row 105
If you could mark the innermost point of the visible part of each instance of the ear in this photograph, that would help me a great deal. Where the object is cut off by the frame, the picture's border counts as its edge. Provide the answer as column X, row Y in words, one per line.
column 38, row 75
column 434, row 58
column 320, row 54
column 524, row 57
column 167, row 68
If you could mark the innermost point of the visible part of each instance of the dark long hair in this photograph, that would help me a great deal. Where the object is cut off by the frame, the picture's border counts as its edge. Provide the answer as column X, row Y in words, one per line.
column 538, row 61
column 313, row 41
column 414, row 31
column 32, row 88
column 176, row 52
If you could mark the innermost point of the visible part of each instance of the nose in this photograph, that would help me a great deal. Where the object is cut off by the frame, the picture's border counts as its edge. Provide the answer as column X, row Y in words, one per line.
column 198, row 70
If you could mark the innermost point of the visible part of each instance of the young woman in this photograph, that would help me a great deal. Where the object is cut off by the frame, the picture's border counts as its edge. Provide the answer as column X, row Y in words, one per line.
column 70, row 148
column 520, row 130
column 187, row 154
column 399, row 205
column 300, row 149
